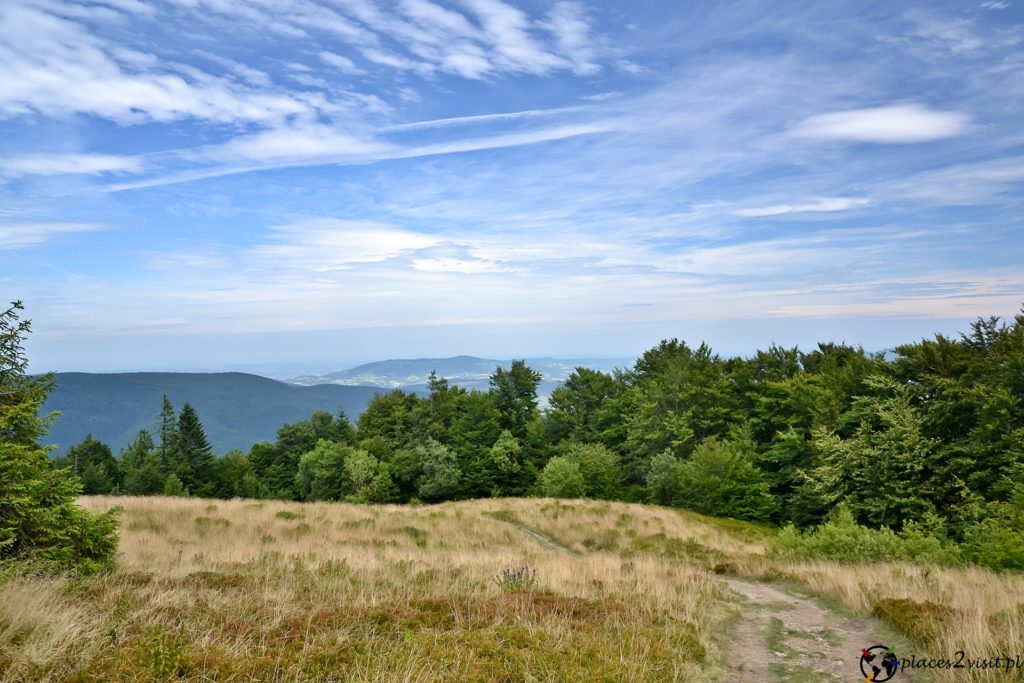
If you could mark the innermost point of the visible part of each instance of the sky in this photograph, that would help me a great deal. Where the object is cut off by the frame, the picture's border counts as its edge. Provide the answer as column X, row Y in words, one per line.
column 211, row 184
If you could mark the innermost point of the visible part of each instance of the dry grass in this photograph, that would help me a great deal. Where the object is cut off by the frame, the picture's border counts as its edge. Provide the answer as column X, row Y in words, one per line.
column 245, row 590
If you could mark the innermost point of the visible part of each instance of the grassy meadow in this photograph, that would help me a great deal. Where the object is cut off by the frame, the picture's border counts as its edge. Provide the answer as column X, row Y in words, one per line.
column 264, row 590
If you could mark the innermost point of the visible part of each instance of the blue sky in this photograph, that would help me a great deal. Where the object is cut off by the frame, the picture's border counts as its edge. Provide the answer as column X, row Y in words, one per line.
column 216, row 183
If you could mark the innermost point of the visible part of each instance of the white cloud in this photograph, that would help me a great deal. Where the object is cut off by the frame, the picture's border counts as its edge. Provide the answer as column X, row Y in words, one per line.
column 455, row 265
column 56, row 164
column 825, row 205
column 330, row 244
column 508, row 29
column 56, row 67
column 340, row 62
column 568, row 22
column 287, row 146
column 22, row 235
column 895, row 124
column 995, row 5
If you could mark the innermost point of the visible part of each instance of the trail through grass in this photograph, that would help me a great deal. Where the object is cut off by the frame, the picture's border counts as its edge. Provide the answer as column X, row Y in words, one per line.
column 267, row 590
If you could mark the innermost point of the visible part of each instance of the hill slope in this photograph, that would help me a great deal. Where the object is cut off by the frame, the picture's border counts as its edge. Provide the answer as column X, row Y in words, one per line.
column 236, row 409
column 466, row 371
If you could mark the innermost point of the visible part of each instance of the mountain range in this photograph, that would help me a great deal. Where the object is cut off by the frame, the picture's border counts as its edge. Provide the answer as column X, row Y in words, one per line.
column 466, row 371
column 239, row 409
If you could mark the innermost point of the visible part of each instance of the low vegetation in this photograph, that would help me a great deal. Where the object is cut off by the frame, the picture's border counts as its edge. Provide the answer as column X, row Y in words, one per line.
column 511, row 589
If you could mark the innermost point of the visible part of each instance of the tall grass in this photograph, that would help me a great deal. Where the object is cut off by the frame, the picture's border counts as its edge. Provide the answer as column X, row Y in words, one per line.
column 248, row 590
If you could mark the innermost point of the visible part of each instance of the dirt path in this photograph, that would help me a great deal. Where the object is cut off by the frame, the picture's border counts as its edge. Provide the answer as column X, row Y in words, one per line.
column 785, row 637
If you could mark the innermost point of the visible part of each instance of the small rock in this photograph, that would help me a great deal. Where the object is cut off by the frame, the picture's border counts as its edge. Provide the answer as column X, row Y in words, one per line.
column 780, row 654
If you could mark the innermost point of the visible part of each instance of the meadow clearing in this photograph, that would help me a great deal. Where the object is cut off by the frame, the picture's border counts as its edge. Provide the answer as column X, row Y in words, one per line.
column 268, row 590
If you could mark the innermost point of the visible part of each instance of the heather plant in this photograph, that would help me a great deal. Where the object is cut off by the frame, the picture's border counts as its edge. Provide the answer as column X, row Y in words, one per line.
column 516, row 579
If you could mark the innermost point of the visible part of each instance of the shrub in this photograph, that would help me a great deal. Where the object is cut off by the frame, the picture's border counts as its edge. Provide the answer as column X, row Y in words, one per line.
column 562, row 478
column 997, row 540
column 843, row 540
column 721, row 479
column 515, row 580
column 599, row 466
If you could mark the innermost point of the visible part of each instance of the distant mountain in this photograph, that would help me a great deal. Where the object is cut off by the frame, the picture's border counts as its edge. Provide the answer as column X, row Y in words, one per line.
column 466, row 371
column 236, row 409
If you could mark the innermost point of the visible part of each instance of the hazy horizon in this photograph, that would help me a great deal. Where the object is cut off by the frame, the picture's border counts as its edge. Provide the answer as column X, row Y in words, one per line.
column 726, row 340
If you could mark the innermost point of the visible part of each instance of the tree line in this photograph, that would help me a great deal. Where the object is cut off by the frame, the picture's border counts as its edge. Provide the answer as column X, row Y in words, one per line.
column 925, row 439
column 931, row 432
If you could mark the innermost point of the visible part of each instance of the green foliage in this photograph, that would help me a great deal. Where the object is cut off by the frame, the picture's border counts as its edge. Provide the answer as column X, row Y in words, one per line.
column 193, row 456
column 369, row 480
column 602, row 475
column 562, row 478
column 174, row 487
column 842, row 539
column 997, row 540
column 93, row 463
column 721, row 479
column 514, row 392
column 663, row 482
column 922, row 454
column 39, row 520
column 322, row 474
column 440, row 478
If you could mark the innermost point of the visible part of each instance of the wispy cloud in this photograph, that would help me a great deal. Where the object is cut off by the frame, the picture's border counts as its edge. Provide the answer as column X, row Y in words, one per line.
column 23, row 235
column 57, row 164
column 894, row 124
column 826, row 205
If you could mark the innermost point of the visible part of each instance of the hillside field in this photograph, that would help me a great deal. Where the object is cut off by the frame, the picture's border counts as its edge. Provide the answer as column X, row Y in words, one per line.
column 274, row 591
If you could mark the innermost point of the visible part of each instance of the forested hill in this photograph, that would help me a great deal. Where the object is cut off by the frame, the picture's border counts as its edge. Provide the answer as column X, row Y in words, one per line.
column 237, row 409
column 469, row 372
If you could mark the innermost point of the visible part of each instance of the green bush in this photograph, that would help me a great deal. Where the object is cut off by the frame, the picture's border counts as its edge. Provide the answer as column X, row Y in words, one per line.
column 997, row 540
column 562, row 478
column 843, row 540
column 602, row 476
column 721, row 479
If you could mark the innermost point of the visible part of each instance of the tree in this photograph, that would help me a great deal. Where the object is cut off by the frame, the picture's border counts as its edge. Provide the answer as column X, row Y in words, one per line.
column 141, row 466
column 514, row 392
column 663, row 479
column 602, row 476
column 174, row 487
column 561, row 478
column 93, row 463
column 441, row 476
column 236, row 477
column 581, row 409
column 506, row 465
column 721, row 479
column 195, row 454
column 369, row 479
column 39, row 520
column 167, row 432
column 322, row 474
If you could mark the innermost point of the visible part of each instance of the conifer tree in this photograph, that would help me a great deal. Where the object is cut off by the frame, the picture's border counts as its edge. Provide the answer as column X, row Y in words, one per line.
column 195, row 453
column 39, row 520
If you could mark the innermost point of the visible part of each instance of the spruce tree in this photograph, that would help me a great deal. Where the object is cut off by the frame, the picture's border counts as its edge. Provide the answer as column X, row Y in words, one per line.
column 195, row 453
column 167, row 431
column 39, row 520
